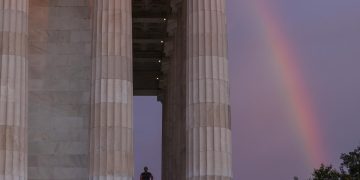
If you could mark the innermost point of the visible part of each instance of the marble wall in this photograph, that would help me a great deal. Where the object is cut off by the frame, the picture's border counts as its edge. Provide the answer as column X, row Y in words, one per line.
column 59, row 89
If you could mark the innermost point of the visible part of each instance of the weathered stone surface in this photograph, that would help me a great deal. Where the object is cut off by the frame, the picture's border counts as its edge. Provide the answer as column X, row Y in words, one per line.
column 59, row 89
column 13, row 89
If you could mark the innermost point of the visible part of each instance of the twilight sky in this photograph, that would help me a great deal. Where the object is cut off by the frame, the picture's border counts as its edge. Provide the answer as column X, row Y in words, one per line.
column 323, row 40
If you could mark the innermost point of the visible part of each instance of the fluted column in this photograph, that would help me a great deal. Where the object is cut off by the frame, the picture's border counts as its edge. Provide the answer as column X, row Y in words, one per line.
column 111, row 131
column 174, row 119
column 13, row 89
column 208, row 118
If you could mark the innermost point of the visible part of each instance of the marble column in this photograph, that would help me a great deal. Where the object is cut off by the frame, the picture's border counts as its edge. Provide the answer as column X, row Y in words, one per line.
column 208, row 126
column 111, row 129
column 13, row 89
column 174, row 136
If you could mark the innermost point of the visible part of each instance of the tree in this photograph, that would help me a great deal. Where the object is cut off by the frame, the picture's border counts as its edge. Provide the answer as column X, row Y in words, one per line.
column 351, row 164
column 349, row 169
column 325, row 173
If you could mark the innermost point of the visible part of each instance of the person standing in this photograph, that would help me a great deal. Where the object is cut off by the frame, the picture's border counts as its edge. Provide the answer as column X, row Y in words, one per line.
column 146, row 175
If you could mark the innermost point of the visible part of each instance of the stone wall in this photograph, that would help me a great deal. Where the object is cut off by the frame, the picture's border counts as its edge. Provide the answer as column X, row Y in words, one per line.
column 59, row 89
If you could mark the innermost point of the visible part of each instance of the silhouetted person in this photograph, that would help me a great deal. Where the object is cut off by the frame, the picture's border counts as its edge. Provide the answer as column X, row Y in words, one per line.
column 146, row 175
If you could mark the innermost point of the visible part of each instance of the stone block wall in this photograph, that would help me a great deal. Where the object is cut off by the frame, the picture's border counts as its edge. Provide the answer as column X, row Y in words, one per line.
column 59, row 89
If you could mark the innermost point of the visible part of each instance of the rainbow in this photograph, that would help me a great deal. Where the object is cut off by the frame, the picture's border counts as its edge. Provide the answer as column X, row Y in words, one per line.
column 284, row 56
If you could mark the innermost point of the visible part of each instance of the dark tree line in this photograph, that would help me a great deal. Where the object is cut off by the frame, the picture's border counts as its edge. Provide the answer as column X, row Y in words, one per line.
column 349, row 168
